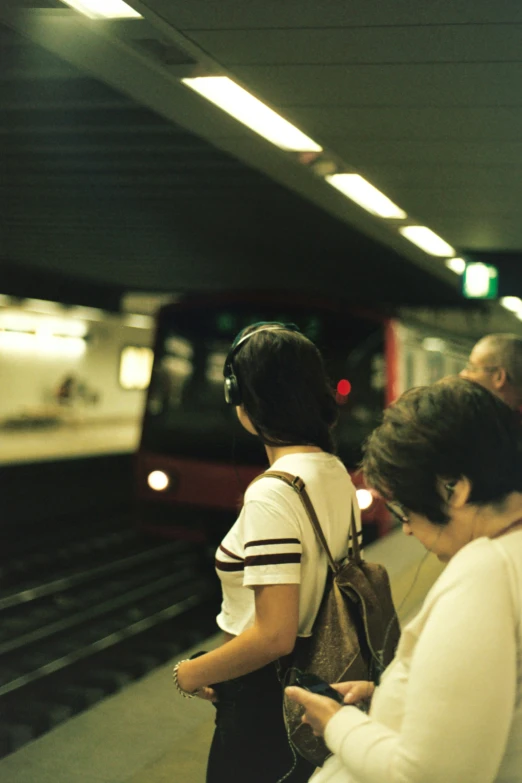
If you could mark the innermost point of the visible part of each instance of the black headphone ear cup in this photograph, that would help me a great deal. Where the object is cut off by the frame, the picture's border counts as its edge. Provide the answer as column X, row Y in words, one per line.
column 231, row 388
column 450, row 487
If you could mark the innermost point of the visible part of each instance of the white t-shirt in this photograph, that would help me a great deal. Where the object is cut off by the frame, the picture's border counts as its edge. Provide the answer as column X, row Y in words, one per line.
column 449, row 707
column 273, row 542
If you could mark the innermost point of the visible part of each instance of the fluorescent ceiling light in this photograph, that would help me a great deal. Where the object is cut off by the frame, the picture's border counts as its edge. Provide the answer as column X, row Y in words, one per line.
column 241, row 105
column 359, row 190
column 457, row 265
column 104, row 9
column 512, row 303
column 427, row 240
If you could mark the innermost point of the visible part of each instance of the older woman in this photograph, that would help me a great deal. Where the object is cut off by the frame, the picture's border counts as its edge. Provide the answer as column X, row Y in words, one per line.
column 448, row 459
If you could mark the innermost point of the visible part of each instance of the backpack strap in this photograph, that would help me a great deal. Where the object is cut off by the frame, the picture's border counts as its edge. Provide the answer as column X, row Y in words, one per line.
column 298, row 485
column 356, row 549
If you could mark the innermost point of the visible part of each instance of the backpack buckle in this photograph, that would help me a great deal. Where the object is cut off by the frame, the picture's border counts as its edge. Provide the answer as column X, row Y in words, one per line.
column 298, row 484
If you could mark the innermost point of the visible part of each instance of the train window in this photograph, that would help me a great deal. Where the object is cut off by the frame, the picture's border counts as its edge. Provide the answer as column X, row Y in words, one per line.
column 378, row 378
column 176, row 346
column 435, row 362
column 135, row 367
column 186, row 412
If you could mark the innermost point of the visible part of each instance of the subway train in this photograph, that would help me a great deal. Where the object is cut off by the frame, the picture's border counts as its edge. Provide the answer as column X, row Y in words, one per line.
column 195, row 461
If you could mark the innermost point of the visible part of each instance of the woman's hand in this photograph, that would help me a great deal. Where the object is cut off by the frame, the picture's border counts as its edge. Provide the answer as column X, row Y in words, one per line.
column 189, row 686
column 206, row 693
column 355, row 691
column 318, row 709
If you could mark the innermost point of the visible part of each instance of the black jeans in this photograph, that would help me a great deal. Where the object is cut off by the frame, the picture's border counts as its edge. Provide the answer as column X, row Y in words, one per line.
column 250, row 743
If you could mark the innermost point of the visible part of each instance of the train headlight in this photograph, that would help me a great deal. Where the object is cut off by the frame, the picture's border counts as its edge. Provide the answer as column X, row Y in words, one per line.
column 158, row 480
column 364, row 498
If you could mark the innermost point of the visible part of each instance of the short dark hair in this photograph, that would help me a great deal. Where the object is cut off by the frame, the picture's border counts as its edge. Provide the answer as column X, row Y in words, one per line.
column 452, row 429
column 285, row 390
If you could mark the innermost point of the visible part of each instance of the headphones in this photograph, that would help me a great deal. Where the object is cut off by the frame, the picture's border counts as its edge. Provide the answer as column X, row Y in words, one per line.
column 231, row 385
column 450, row 487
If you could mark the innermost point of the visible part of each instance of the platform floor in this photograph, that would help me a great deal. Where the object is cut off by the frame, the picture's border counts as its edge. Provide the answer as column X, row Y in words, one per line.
column 69, row 440
column 149, row 734
column 144, row 734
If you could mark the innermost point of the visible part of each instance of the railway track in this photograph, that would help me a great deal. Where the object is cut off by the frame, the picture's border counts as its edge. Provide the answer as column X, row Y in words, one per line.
column 68, row 641
column 65, row 545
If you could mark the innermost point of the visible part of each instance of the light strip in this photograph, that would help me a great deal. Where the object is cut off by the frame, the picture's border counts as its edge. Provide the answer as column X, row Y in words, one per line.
column 104, row 9
column 241, row 105
column 427, row 240
column 367, row 196
column 43, row 306
column 21, row 342
column 512, row 303
column 14, row 321
column 139, row 321
column 457, row 265
column 87, row 313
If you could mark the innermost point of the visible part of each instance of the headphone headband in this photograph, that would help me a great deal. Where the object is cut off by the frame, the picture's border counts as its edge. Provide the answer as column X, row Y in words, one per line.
column 265, row 326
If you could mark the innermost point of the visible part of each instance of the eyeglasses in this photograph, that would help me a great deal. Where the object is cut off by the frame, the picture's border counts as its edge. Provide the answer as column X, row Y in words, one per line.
column 397, row 512
column 484, row 367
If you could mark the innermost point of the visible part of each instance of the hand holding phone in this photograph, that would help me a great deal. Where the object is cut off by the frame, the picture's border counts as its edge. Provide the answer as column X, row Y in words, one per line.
column 314, row 684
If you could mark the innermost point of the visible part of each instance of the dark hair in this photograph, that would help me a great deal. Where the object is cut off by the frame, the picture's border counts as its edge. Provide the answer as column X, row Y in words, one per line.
column 452, row 429
column 285, row 390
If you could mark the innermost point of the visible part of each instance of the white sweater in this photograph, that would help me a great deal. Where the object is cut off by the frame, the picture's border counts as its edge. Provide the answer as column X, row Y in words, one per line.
column 449, row 707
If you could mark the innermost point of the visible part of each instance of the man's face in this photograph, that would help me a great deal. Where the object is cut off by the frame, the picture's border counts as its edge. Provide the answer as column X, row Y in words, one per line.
column 482, row 369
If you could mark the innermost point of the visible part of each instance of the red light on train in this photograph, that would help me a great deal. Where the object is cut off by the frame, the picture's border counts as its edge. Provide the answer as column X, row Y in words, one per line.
column 344, row 388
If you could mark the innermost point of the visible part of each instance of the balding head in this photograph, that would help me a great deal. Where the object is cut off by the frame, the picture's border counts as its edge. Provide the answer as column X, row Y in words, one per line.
column 496, row 363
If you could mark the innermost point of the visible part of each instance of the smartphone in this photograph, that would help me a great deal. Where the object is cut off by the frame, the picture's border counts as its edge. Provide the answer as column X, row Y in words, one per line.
column 314, row 684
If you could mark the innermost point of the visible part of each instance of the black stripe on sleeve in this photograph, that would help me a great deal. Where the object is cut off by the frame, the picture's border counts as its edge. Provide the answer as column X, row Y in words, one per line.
column 222, row 566
column 273, row 541
column 259, row 560
column 230, row 554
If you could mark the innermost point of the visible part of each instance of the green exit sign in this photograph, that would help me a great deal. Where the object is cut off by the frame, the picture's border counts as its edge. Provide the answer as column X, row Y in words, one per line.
column 480, row 281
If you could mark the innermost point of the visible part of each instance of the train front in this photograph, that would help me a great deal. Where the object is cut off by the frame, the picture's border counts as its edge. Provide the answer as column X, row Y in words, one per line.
column 195, row 460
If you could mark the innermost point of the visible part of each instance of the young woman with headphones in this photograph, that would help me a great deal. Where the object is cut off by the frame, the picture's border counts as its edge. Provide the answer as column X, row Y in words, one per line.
column 272, row 569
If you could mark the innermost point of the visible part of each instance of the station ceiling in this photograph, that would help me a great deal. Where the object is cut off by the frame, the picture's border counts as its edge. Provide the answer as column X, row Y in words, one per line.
column 117, row 177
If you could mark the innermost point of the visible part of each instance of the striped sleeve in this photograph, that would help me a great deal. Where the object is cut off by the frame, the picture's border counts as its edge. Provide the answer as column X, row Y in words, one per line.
column 273, row 546
column 228, row 561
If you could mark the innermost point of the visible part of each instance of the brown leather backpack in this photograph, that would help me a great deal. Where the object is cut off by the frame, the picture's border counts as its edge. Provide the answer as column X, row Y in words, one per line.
column 355, row 633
